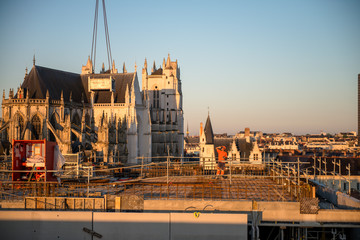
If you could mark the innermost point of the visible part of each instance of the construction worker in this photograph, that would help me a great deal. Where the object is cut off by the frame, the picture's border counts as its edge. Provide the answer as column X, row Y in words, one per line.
column 222, row 156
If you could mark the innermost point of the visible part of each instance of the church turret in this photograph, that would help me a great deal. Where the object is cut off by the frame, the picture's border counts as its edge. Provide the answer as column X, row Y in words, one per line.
column 20, row 93
column 103, row 68
column 124, row 68
column 187, row 130
column 163, row 65
column 168, row 61
column 113, row 69
column 153, row 68
column 11, row 93
column 145, row 80
column 88, row 68
column 144, row 70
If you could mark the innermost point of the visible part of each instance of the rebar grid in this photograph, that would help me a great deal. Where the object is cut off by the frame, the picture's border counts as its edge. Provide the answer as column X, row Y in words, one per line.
column 200, row 188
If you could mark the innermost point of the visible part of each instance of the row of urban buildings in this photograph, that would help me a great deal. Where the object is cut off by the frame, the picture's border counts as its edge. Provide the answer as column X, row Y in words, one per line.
column 253, row 146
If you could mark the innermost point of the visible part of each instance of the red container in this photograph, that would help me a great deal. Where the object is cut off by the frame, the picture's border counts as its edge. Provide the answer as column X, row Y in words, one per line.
column 32, row 155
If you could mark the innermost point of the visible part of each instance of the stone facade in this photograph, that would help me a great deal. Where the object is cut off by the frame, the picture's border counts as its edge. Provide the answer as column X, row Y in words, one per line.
column 162, row 90
column 105, row 112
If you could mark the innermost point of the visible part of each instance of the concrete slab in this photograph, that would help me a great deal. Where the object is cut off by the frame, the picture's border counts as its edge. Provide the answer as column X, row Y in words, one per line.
column 208, row 226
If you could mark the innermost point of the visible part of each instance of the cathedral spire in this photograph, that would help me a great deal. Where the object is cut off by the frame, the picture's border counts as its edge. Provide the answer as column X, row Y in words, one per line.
column 144, row 70
column 153, row 68
column 163, row 65
column 187, row 130
column 88, row 68
column 124, row 68
column 135, row 66
column 34, row 60
column 168, row 61
column 113, row 69
column 103, row 68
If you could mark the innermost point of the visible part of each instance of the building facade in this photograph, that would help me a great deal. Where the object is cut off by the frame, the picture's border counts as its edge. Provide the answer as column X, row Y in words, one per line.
column 104, row 112
column 163, row 93
column 207, row 146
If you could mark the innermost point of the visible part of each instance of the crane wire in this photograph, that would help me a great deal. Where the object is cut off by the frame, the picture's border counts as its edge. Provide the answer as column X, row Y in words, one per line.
column 93, row 45
column 94, row 38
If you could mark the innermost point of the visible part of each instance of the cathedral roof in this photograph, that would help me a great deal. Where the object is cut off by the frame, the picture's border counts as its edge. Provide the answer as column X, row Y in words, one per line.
column 209, row 135
column 42, row 79
column 158, row 72
column 122, row 82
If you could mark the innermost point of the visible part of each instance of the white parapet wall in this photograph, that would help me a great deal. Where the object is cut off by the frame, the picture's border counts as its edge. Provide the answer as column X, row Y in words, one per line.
column 111, row 225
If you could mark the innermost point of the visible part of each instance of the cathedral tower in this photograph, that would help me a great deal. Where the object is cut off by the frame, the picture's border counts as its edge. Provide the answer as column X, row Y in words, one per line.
column 162, row 91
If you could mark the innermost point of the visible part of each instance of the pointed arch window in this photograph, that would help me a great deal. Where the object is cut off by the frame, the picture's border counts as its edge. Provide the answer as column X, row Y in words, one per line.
column 156, row 98
column 36, row 123
column 19, row 127
column 76, row 120
column 54, row 120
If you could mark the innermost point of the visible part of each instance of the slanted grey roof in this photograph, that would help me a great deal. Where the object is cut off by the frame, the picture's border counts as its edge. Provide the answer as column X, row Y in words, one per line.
column 243, row 147
column 209, row 135
column 192, row 139
column 42, row 79
column 158, row 72
column 122, row 82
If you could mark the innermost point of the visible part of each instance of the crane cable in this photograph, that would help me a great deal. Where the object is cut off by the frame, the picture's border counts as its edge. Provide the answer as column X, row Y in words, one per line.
column 94, row 38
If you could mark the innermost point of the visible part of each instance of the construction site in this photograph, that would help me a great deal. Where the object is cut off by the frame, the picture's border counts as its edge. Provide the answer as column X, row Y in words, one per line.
column 273, row 200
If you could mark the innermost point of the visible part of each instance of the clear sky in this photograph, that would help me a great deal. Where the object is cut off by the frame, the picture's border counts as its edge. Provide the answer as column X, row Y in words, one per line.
column 273, row 66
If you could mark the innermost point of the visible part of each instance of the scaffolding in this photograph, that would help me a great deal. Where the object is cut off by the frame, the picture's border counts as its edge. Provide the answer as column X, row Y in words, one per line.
column 175, row 179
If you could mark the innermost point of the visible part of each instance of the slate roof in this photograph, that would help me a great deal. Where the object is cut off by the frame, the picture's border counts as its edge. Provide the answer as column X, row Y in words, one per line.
column 158, row 72
column 42, row 79
column 122, row 82
column 243, row 147
column 192, row 139
column 209, row 135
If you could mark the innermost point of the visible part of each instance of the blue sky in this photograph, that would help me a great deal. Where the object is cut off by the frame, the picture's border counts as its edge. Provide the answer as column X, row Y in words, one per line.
column 273, row 66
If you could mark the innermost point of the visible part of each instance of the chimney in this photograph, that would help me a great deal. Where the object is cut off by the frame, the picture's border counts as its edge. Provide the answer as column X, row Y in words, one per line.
column 247, row 132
